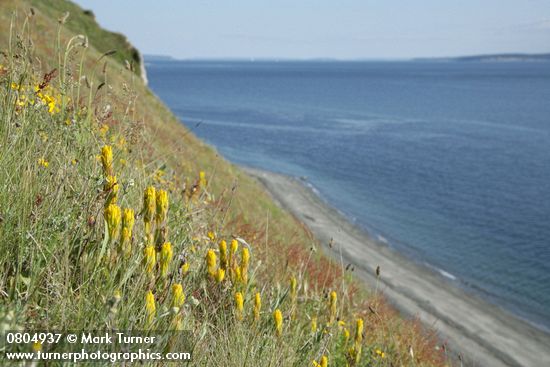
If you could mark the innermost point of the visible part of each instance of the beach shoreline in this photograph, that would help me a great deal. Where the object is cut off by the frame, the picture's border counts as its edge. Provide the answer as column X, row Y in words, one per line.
column 482, row 333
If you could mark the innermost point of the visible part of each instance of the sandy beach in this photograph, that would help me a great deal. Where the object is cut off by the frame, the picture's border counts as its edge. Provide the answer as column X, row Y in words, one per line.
column 483, row 334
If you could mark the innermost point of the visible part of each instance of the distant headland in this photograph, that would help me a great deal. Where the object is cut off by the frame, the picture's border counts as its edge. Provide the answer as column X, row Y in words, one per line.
column 507, row 57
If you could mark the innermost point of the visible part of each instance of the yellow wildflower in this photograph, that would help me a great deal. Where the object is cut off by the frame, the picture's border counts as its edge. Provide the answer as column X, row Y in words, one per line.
column 233, row 251
column 380, row 353
column 223, row 254
column 107, row 159
column 237, row 278
column 355, row 354
column 322, row 363
column 257, row 306
column 125, row 241
column 184, row 269
column 278, row 319
column 162, row 205
column 128, row 219
column 52, row 105
column 112, row 216
column 211, row 235
column 121, row 143
column 111, row 187
column 245, row 259
column 211, row 262
column 358, row 331
column 166, row 255
column 234, row 246
column 293, row 287
column 220, row 275
column 149, row 204
column 150, row 258
column 314, row 324
column 103, row 130
column 346, row 335
column 14, row 85
column 36, row 346
column 202, row 179
column 239, row 305
column 44, row 163
column 117, row 295
column 332, row 306
column 150, row 306
column 178, row 297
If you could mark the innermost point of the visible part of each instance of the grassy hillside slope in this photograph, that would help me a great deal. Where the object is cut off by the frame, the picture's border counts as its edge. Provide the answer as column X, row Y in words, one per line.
column 110, row 209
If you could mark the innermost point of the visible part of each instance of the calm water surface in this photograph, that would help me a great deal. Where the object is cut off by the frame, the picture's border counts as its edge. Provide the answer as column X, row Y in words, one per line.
column 447, row 162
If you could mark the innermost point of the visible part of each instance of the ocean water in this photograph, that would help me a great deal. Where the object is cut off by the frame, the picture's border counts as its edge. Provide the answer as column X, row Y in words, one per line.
column 448, row 162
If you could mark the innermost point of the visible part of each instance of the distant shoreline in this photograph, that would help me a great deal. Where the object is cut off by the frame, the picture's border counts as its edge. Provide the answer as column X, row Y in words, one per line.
column 508, row 57
column 484, row 334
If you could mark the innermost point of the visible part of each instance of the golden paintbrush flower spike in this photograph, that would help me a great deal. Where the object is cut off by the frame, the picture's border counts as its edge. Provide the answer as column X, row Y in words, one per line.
column 166, row 255
column 178, row 297
column 211, row 263
column 44, row 163
column 234, row 246
column 125, row 240
column 332, row 306
column 202, row 179
column 220, row 275
column 161, row 205
column 358, row 331
column 355, row 351
column 149, row 204
column 211, row 235
column 322, row 363
column 257, row 306
column 150, row 258
column 128, row 219
column 107, row 159
column 113, row 217
column 111, row 188
column 237, row 278
column 223, row 254
column 293, row 287
column 245, row 259
column 346, row 335
column 314, row 324
column 239, row 305
column 232, row 252
column 150, row 306
column 185, row 269
column 278, row 319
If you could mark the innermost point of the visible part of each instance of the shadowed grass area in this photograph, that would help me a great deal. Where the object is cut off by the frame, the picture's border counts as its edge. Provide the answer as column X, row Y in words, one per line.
column 114, row 216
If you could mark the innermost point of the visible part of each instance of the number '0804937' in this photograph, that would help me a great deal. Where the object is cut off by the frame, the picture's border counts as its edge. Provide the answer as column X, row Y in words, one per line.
column 26, row 338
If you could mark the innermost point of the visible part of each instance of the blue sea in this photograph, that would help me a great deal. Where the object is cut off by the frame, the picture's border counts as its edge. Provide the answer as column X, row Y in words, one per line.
column 447, row 162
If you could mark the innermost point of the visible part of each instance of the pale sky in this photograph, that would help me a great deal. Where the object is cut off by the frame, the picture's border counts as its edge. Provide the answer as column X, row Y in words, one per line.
column 343, row 29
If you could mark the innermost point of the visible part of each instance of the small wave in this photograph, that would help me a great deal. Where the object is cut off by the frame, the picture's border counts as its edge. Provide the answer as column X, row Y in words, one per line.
column 445, row 274
column 313, row 188
column 382, row 239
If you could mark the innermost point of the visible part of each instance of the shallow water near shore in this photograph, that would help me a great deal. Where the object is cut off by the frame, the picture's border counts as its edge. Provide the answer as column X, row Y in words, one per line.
column 446, row 162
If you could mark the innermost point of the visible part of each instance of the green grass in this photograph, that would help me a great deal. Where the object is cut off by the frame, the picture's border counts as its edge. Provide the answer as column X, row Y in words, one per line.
column 82, row 21
column 61, row 269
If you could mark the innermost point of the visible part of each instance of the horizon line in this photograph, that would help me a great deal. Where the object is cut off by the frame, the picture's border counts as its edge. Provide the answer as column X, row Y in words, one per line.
column 336, row 59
